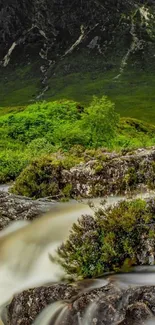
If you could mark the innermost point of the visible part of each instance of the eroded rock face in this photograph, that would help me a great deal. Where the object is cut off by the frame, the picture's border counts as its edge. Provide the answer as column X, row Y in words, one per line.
column 46, row 22
column 113, row 174
column 114, row 305
column 47, row 32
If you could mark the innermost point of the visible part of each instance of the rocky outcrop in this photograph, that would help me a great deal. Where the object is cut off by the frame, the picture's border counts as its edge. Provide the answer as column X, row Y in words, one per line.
column 113, row 174
column 105, row 174
column 47, row 32
column 113, row 305
column 109, row 305
column 14, row 207
column 46, row 26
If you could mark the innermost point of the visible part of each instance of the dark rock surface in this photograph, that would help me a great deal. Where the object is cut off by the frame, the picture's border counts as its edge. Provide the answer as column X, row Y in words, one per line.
column 56, row 25
column 14, row 207
column 114, row 305
column 45, row 33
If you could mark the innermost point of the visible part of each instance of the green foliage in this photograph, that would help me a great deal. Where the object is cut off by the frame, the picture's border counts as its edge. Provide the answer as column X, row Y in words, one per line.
column 40, row 179
column 151, row 176
column 130, row 180
column 45, row 128
column 54, row 121
column 39, row 146
column 104, row 243
column 11, row 164
column 43, row 177
column 62, row 124
column 67, row 191
column 101, row 122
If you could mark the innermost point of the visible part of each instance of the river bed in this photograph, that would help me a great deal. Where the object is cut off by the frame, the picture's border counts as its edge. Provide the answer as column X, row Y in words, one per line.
column 79, row 206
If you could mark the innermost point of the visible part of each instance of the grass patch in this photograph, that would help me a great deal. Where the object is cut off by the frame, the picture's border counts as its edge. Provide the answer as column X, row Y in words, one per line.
column 133, row 93
column 19, row 85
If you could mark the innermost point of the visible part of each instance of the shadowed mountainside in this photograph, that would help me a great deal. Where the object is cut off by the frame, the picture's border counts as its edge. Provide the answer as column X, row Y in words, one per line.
column 60, row 48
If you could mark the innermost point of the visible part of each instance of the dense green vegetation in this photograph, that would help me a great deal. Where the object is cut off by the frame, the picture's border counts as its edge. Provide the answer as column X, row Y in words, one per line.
column 43, row 177
column 112, row 240
column 47, row 127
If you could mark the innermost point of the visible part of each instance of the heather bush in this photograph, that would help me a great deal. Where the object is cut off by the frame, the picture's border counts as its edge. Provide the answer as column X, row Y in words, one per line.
column 115, row 235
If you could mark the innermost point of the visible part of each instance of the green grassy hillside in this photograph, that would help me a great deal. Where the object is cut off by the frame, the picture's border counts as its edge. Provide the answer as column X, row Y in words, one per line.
column 133, row 92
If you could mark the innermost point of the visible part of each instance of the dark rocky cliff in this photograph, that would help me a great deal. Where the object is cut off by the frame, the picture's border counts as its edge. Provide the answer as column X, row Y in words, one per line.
column 58, row 38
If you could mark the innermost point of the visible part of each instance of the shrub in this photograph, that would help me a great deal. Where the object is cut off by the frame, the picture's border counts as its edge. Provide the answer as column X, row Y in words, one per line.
column 101, row 121
column 40, row 179
column 130, row 179
column 104, row 243
column 151, row 176
column 11, row 164
column 40, row 146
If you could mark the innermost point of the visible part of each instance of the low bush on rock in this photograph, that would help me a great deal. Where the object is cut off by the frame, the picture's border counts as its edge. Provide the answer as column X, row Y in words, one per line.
column 42, row 178
column 114, row 236
column 95, row 173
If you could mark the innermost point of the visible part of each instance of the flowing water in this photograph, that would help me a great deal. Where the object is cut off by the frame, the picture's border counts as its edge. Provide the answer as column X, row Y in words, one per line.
column 25, row 262
column 4, row 187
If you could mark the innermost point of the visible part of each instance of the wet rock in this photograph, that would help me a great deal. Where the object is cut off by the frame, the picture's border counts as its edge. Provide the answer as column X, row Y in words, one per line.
column 113, row 305
column 14, row 207
column 27, row 305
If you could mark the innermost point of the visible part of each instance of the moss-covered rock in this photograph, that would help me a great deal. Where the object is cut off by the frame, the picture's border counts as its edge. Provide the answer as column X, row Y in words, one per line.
column 115, row 238
column 62, row 175
column 114, row 174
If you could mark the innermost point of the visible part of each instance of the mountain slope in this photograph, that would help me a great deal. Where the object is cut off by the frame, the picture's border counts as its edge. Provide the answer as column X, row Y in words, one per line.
column 74, row 49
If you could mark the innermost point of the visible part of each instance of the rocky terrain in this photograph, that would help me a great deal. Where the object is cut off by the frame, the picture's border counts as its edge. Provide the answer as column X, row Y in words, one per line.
column 113, row 174
column 114, row 306
column 44, row 42
column 54, row 49
column 111, row 304
column 14, row 207
column 105, row 174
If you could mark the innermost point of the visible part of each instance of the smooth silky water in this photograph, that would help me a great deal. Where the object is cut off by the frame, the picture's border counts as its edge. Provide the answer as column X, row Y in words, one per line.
column 25, row 263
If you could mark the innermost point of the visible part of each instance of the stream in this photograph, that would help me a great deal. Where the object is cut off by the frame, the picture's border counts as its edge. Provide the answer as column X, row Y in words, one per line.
column 19, row 272
column 49, row 204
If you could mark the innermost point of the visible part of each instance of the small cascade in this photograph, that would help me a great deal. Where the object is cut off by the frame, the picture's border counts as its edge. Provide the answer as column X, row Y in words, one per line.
column 139, row 276
column 57, row 312
column 53, row 314
column 39, row 239
column 89, row 314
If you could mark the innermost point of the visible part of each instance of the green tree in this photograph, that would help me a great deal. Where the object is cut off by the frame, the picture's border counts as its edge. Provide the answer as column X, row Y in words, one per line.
column 100, row 120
